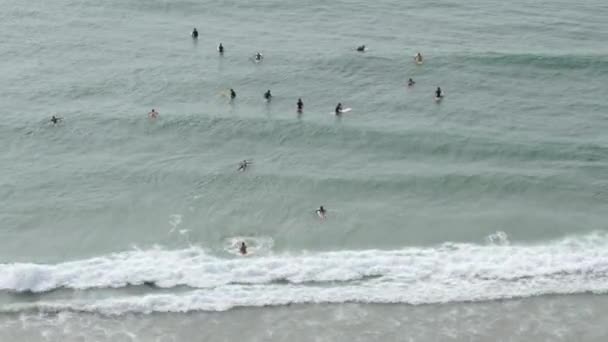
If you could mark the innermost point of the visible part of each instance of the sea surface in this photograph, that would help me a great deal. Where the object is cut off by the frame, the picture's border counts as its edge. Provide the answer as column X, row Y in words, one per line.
column 481, row 217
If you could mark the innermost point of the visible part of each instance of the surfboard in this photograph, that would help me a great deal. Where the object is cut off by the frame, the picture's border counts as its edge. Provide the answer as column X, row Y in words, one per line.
column 344, row 110
column 438, row 99
column 320, row 215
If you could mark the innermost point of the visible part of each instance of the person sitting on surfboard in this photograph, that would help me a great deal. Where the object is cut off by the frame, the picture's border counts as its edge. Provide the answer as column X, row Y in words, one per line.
column 438, row 93
column 243, row 248
column 194, row 33
column 321, row 211
column 361, row 48
column 55, row 120
column 338, row 112
column 258, row 56
column 220, row 49
column 300, row 105
column 232, row 94
column 410, row 82
column 418, row 57
column 153, row 114
column 268, row 95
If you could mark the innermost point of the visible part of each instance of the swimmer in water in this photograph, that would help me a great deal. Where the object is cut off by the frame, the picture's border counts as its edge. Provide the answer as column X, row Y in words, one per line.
column 220, row 49
column 232, row 94
column 55, row 120
column 268, row 95
column 300, row 106
column 338, row 112
column 194, row 33
column 243, row 248
column 153, row 114
column 438, row 93
column 243, row 165
column 361, row 48
column 410, row 82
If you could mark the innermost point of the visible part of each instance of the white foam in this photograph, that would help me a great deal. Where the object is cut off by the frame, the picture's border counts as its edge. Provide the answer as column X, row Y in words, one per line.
column 450, row 272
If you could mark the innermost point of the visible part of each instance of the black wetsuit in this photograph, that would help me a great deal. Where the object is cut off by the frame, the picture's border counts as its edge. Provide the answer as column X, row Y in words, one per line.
column 438, row 93
column 243, row 248
column 268, row 95
column 195, row 34
column 221, row 49
column 339, row 109
column 300, row 105
column 232, row 94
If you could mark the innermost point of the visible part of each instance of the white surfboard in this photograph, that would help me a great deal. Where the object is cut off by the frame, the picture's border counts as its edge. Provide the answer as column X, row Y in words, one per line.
column 344, row 110
column 438, row 99
column 320, row 215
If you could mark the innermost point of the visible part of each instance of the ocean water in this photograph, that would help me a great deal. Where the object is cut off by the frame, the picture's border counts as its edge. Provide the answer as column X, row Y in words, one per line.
column 483, row 217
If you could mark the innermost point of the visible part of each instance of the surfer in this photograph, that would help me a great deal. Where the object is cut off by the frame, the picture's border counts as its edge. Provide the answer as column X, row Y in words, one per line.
column 153, row 114
column 321, row 212
column 258, row 57
column 55, row 120
column 232, row 94
column 410, row 82
column 361, row 48
column 268, row 96
column 338, row 112
column 438, row 93
column 194, row 33
column 418, row 58
column 300, row 105
column 243, row 165
column 220, row 49
column 243, row 248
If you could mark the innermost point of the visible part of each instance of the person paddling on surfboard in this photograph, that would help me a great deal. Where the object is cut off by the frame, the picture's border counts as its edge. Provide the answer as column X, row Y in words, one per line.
column 153, row 114
column 194, row 33
column 243, row 165
column 232, row 94
column 268, row 95
column 258, row 57
column 300, row 105
column 410, row 82
column 55, row 120
column 338, row 111
column 243, row 248
column 220, row 49
column 361, row 48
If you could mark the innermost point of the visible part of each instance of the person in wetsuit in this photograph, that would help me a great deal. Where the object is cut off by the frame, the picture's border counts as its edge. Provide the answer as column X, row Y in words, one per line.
column 243, row 248
column 339, row 109
column 220, row 49
column 194, row 33
column 410, row 82
column 361, row 48
column 268, row 95
column 243, row 165
column 232, row 94
column 438, row 93
column 55, row 120
column 300, row 106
